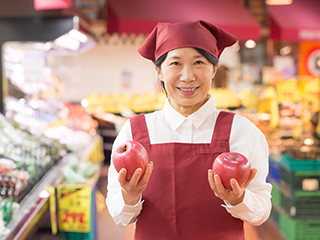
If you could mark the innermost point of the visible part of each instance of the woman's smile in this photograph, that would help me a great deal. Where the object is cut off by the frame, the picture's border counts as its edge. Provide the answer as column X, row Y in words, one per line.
column 188, row 91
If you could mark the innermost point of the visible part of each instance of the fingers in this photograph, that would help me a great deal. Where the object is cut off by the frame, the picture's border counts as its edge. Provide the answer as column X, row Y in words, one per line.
column 216, row 185
column 148, row 172
column 137, row 180
column 135, row 177
column 211, row 180
column 235, row 187
column 122, row 176
column 233, row 196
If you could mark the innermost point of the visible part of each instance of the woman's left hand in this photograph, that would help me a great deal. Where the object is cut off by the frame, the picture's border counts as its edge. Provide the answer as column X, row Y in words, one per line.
column 234, row 196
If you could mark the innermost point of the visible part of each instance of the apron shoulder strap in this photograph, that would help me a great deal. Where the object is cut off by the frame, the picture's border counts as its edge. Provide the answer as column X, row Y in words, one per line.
column 139, row 129
column 222, row 128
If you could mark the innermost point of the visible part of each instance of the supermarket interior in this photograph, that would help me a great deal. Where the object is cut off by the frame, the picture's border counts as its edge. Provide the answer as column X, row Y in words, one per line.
column 71, row 76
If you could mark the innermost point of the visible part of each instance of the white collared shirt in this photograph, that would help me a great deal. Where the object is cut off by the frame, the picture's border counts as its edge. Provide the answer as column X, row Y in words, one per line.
column 168, row 125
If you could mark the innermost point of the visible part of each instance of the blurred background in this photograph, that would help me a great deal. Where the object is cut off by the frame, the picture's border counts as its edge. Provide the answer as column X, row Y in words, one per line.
column 71, row 76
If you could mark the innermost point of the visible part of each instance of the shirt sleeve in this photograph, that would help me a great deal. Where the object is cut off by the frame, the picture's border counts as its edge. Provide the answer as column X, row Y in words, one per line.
column 121, row 213
column 247, row 139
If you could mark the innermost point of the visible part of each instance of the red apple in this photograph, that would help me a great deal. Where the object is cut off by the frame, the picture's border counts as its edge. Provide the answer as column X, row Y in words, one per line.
column 130, row 155
column 230, row 165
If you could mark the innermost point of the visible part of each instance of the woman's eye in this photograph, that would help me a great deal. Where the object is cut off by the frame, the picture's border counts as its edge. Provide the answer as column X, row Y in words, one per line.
column 198, row 62
column 174, row 63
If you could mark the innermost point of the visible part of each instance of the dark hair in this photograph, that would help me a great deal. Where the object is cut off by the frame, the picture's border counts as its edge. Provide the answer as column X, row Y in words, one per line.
column 207, row 55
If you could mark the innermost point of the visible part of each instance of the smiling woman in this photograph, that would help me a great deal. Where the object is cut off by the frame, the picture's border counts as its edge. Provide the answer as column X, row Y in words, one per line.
column 187, row 77
column 182, row 140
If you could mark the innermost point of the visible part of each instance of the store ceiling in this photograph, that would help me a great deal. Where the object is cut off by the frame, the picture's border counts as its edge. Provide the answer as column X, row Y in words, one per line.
column 141, row 16
column 299, row 21
column 244, row 18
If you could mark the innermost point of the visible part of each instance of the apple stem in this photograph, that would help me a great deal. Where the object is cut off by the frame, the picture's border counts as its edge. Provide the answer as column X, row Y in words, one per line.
column 124, row 149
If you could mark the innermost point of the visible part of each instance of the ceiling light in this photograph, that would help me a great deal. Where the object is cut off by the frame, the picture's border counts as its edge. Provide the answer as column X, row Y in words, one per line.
column 278, row 2
column 250, row 44
column 78, row 35
column 285, row 50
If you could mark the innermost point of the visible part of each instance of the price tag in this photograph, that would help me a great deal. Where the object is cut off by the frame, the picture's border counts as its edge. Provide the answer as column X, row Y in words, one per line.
column 74, row 207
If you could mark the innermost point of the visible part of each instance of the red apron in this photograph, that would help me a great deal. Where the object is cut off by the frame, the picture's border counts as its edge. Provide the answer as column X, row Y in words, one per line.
column 178, row 201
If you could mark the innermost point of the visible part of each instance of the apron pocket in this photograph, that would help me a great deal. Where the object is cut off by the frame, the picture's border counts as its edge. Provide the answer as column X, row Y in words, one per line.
column 216, row 149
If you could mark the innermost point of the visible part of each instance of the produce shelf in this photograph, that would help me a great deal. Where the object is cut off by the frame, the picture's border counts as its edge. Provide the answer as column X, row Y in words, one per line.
column 33, row 207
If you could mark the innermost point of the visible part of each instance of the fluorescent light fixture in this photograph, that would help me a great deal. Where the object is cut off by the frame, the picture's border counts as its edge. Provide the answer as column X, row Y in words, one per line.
column 67, row 42
column 73, row 41
column 78, row 35
column 278, row 2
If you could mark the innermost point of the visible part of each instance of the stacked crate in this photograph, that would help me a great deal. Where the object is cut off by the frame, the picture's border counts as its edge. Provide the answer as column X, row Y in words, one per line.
column 274, row 179
column 296, row 197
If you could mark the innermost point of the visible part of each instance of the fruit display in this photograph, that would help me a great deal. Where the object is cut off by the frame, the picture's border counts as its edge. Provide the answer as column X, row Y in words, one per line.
column 149, row 102
column 225, row 98
column 37, row 133
column 79, row 119
column 25, row 157
column 130, row 155
column 119, row 103
column 78, row 171
column 23, row 152
column 230, row 165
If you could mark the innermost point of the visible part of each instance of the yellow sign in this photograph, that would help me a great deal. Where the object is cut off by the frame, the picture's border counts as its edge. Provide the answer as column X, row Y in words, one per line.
column 288, row 90
column 96, row 154
column 310, row 88
column 74, row 208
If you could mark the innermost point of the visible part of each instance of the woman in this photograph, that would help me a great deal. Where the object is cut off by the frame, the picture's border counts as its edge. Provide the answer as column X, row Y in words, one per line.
column 178, row 197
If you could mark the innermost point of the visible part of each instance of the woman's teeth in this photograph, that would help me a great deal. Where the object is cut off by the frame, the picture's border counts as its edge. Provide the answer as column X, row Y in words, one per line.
column 188, row 89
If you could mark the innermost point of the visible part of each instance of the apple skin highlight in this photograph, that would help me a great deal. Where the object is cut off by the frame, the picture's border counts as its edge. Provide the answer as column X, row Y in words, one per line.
column 130, row 155
column 230, row 165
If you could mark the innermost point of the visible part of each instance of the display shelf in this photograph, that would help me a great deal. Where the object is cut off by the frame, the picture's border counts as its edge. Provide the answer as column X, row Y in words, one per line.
column 32, row 207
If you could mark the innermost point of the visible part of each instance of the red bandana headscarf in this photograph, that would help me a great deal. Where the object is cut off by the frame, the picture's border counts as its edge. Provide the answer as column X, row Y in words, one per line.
column 169, row 36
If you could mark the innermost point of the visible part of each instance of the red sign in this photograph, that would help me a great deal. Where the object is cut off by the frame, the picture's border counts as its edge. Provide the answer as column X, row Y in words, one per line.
column 52, row 4
column 309, row 59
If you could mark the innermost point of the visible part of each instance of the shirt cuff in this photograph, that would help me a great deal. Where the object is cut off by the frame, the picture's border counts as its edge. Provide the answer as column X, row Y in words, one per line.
column 248, row 210
column 122, row 213
column 133, row 207
column 236, row 210
column 131, row 212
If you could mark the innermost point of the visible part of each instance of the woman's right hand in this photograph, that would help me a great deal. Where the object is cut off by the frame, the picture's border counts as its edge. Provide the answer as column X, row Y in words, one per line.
column 132, row 189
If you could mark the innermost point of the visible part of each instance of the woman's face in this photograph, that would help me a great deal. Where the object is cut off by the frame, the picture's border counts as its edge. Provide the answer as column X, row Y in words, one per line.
column 187, row 76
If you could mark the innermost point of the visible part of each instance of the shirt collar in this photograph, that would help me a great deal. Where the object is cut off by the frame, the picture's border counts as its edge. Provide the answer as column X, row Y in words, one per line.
column 175, row 119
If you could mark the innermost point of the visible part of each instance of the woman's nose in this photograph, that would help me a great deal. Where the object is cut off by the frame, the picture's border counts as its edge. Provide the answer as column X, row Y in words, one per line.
column 187, row 74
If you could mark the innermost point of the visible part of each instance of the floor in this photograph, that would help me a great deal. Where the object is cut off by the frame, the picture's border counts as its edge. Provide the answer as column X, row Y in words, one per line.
column 107, row 230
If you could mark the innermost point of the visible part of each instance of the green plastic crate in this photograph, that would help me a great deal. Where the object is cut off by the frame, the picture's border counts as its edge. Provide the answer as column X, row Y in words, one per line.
column 295, row 183
column 275, row 194
column 304, row 208
column 299, row 229
column 302, row 164
column 275, row 213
